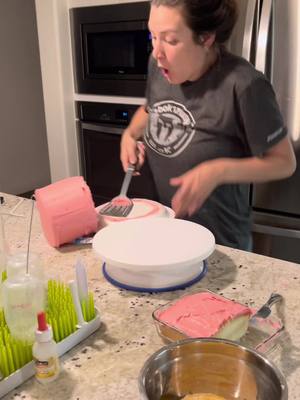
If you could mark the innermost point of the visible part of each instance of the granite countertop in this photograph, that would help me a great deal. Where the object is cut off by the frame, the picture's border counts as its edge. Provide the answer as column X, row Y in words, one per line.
column 106, row 365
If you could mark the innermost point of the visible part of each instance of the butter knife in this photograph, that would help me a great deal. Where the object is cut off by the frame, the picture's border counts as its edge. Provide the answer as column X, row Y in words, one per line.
column 265, row 310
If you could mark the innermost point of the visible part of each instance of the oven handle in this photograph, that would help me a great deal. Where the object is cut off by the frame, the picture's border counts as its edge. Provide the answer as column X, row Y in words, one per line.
column 102, row 128
column 276, row 231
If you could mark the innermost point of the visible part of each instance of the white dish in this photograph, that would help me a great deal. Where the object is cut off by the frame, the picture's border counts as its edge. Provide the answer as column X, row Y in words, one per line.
column 154, row 252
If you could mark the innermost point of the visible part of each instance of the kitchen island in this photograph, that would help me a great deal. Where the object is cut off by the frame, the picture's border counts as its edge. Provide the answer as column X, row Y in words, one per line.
column 106, row 365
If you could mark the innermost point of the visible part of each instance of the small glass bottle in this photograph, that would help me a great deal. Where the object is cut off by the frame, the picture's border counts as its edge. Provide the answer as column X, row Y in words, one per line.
column 45, row 352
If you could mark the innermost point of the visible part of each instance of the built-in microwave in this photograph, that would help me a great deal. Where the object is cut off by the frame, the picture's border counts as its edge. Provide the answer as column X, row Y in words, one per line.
column 111, row 47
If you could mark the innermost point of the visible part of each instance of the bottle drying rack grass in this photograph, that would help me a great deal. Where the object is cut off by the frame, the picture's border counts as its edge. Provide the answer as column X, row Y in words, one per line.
column 13, row 353
column 16, row 355
column 61, row 314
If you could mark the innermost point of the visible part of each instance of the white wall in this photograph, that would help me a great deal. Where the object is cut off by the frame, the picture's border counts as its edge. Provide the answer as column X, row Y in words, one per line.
column 55, row 53
column 58, row 86
column 24, row 161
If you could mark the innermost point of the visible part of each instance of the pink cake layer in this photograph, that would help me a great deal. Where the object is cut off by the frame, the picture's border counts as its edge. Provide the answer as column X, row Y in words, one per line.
column 67, row 210
column 202, row 314
column 142, row 208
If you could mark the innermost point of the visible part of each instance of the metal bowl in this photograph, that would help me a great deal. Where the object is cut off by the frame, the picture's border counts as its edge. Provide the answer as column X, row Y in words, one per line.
column 216, row 366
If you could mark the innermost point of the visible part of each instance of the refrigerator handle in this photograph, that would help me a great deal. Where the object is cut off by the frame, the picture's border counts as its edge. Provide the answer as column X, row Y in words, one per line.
column 249, row 27
column 263, row 36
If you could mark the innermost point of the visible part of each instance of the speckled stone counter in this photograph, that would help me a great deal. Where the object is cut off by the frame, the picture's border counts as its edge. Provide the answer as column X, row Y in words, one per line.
column 106, row 365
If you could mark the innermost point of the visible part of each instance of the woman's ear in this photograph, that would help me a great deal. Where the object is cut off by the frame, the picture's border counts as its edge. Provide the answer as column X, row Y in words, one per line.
column 207, row 39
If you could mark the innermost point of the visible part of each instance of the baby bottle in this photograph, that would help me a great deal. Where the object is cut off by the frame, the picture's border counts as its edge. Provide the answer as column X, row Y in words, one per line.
column 16, row 265
column 23, row 297
column 2, row 254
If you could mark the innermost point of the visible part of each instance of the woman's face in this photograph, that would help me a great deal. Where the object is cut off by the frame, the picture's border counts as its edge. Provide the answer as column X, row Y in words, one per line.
column 178, row 56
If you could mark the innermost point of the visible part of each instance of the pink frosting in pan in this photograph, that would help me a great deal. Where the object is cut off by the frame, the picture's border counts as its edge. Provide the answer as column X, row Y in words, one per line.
column 67, row 210
column 202, row 314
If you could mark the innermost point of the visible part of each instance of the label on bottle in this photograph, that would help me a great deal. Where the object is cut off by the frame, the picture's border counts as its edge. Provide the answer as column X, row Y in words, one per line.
column 47, row 368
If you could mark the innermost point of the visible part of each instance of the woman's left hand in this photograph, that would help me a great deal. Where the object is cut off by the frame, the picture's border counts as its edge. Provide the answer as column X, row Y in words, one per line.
column 197, row 184
column 194, row 187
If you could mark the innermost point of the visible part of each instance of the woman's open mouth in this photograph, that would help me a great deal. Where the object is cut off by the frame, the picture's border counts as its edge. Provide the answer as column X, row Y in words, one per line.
column 165, row 72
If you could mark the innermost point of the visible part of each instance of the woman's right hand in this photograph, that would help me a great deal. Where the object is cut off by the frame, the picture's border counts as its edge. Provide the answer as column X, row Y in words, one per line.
column 132, row 151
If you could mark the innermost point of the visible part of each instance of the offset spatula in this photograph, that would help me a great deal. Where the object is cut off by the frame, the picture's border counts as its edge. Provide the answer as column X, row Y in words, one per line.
column 121, row 205
column 265, row 310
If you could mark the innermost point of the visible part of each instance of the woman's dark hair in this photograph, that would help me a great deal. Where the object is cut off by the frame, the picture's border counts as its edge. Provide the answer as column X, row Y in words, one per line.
column 202, row 16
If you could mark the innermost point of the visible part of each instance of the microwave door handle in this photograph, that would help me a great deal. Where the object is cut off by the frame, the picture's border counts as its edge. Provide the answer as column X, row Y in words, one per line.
column 102, row 128
column 249, row 27
column 263, row 38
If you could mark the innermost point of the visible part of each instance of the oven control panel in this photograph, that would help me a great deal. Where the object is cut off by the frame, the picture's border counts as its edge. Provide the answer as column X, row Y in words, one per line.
column 118, row 114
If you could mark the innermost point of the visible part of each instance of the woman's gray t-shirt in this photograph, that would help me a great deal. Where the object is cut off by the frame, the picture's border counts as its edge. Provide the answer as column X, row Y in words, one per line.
column 231, row 111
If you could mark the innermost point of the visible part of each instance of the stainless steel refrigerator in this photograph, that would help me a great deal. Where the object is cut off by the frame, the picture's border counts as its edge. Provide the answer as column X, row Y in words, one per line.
column 268, row 35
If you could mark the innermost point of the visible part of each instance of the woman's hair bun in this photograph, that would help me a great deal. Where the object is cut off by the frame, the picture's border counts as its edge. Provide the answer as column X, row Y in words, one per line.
column 218, row 16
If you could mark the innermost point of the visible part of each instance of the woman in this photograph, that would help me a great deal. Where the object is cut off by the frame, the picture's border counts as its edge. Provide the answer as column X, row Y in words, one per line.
column 211, row 123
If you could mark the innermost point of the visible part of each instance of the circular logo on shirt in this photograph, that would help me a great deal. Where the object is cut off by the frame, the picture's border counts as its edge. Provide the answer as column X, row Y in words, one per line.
column 171, row 127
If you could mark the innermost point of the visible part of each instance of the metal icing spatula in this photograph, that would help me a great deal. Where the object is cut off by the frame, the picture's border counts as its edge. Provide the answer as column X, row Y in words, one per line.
column 121, row 205
column 265, row 310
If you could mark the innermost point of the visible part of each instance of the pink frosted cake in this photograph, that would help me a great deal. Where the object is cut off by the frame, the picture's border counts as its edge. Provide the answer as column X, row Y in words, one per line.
column 67, row 210
column 204, row 314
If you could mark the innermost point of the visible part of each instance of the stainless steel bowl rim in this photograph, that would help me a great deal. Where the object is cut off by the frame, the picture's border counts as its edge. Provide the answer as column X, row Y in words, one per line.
column 177, row 343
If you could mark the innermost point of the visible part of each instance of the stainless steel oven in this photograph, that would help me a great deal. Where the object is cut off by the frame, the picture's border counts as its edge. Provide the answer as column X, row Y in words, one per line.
column 100, row 129
column 111, row 47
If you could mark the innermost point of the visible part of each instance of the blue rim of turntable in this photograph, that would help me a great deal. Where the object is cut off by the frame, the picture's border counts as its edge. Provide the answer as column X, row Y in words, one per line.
column 157, row 290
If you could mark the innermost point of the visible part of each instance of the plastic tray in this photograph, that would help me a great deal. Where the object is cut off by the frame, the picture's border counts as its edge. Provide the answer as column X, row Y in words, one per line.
column 262, row 335
column 21, row 375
